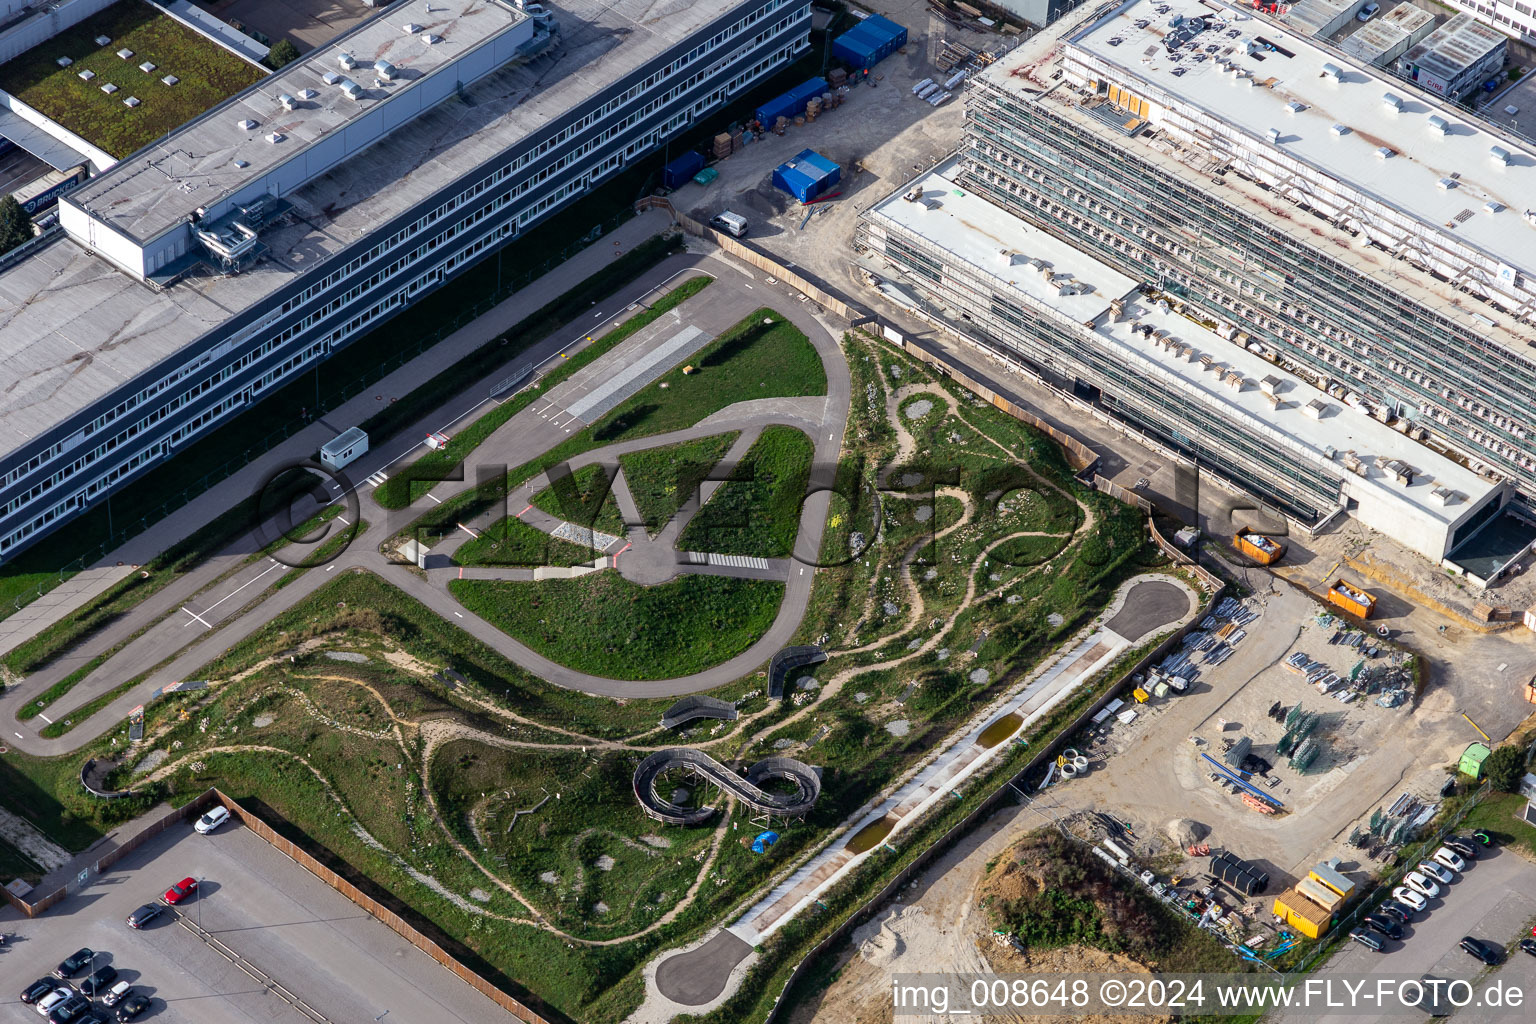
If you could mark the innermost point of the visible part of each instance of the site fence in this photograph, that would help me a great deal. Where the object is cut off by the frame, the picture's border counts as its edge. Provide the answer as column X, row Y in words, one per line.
column 1409, row 856
column 1010, row 789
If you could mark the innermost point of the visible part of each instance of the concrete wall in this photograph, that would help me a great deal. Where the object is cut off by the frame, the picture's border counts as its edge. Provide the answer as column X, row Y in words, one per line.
column 44, row 26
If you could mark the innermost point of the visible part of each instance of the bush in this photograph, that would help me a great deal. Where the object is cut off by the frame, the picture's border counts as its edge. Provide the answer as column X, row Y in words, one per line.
column 1504, row 768
column 15, row 224
column 281, row 54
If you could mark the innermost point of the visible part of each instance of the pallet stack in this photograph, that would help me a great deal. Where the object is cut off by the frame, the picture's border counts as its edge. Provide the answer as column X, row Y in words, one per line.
column 722, row 146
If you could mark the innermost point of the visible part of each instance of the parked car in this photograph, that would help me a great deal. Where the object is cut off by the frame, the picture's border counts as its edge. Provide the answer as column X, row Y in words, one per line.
column 1438, row 872
column 70, row 1010
column 35, row 991
column 1366, row 939
column 95, row 1017
column 1463, row 846
column 1409, row 898
column 115, row 994
column 1418, row 883
column 133, row 1006
column 1482, row 838
column 145, row 914
column 1446, row 857
column 212, row 820
column 1396, row 911
column 1484, row 951
column 45, row 1005
column 74, row 963
column 1368, row 12
column 1385, row 925
column 180, row 891
column 98, row 983
column 1528, row 946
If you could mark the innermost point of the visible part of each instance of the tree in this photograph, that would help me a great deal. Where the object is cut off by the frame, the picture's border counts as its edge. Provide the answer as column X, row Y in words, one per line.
column 282, row 53
column 15, row 224
column 1504, row 768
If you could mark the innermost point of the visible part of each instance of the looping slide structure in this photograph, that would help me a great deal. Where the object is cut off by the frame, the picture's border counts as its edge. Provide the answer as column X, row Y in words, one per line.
column 786, row 661
column 746, row 788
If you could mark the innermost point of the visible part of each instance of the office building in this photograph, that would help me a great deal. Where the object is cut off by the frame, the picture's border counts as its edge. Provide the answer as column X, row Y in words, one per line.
column 1457, row 58
column 1361, row 237
column 1517, row 17
column 262, row 237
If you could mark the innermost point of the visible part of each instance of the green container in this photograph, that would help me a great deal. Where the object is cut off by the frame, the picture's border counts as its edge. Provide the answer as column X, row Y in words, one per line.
column 706, row 176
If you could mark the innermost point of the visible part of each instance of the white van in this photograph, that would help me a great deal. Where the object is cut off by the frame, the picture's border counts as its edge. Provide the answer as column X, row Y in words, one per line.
column 734, row 223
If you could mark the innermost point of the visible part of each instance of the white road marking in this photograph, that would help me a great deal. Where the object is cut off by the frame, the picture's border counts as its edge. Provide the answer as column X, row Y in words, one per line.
column 330, row 567
column 467, row 530
column 45, row 718
column 20, row 736
column 438, row 500
column 275, row 565
column 344, row 520
column 459, row 614
column 196, row 616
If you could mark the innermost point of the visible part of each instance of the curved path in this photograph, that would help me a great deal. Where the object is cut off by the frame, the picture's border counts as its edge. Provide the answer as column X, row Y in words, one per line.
column 192, row 622
column 747, row 789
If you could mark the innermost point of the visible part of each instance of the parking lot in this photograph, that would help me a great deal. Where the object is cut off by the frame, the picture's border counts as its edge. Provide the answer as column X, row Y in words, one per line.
column 274, row 914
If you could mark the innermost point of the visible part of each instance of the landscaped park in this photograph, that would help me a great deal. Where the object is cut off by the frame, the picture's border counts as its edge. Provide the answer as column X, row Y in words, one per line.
column 452, row 711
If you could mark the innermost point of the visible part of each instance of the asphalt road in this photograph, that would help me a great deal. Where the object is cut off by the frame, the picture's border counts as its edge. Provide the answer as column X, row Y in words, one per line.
column 1494, row 899
column 276, row 915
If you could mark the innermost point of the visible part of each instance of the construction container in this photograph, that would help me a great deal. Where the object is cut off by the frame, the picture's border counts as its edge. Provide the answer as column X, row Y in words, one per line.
column 869, row 42
column 1262, row 549
column 348, row 446
column 676, row 173
column 792, row 103
column 1329, row 875
column 1320, row 894
column 1351, row 598
column 1300, row 913
column 807, row 176
column 1238, row 873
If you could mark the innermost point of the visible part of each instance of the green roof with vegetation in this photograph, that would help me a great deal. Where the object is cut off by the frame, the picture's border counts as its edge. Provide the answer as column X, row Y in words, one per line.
column 206, row 75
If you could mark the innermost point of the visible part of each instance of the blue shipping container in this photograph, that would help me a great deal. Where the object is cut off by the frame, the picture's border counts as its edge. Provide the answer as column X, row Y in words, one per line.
column 807, row 175
column 680, row 170
column 792, row 103
column 869, row 42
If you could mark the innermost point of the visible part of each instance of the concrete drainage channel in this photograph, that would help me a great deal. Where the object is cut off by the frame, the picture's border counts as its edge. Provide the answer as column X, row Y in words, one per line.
column 268, row 982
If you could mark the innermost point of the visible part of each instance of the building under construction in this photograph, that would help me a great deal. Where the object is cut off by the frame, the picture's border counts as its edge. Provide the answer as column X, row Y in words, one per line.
column 1295, row 215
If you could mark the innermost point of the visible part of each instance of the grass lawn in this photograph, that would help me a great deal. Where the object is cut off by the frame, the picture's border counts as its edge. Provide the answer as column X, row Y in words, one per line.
column 763, row 356
column 663, row 480
column 207, row 73
column 585, row 498
column 605, row 625
column 15, row 864
column 1498, row 815
column 757, row 512
column 513, row 542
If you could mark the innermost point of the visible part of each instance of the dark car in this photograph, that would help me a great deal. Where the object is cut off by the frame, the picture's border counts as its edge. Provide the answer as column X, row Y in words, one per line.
column 145, row 914
column 1396, row 911
column 1526, row 946
column 1385, row 925
column 1484, row 951
column 132, row 1006
column 74, row 963
column 1482, row 838
column 35, row 991
column 98, row 983
column 1366, row 939
column 95, row 1017
column 1463, row 846
column 70, row 1010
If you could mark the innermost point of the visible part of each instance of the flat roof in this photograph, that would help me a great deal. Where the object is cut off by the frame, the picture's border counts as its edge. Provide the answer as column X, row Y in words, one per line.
column 1131, row 38
column 973, row 230
column 73, row 328
column 1456, row 45
column 160, row 186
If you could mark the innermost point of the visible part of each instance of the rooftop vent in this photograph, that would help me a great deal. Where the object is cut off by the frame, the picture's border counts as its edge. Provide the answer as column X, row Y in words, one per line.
column 411, row 28
column 351, row 90
column 1270, row 385
column 1392, row 99
column 170, row 80
column 1492, row 206
column 1332, row 71
column 1445, row 495
column 288, row 102
column 87, row 75
column 1295, row 106
column 247, row 124
column 1445, row 184
column 242, row 164
column 1382, row 152
column 103, row 41
column 131, row 101
column 1438, row 124
column 346, row 60
column 430, row 39
column 147, row 67
column 1316, row 408
column 125, row 53
column 1499, row 155
column 307, row 94
column 1274, row 136
column 63, row 62
column 276, row 137
column 332, row 78
column 1340, row 129
column 385, row 70
column 109, row 88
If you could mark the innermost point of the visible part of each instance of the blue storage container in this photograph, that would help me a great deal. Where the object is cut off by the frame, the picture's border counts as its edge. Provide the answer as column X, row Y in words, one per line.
column 869, row 42
column 807, row 176
column 792, row 103
column 680, row 170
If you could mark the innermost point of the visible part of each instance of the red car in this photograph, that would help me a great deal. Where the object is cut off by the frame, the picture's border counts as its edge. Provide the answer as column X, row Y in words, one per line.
column 180, row 891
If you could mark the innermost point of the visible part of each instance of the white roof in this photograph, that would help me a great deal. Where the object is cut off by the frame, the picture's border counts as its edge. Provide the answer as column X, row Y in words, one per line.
column 974, row 231
column 1408, row 181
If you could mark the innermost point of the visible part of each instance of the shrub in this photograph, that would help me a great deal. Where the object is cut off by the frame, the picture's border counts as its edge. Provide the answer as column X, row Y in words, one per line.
column 1504, row 768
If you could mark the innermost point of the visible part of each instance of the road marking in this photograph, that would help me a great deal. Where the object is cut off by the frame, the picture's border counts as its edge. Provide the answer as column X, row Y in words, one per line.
column 45, row 718
column 520, row 514
column 377, row 479
column 597, row 314
column 461, row 572
column 19, row 736
column 745, row 285
column 344, row 520
column 467, row 530
column 459, row 614
column 196, row 616
column 436, row 499
column 275, row 565
column 330, row 567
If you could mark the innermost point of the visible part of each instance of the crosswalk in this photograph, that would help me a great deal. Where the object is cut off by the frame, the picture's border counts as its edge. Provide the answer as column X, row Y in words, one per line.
column 376, row 479
column 732, row 561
